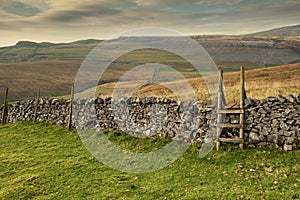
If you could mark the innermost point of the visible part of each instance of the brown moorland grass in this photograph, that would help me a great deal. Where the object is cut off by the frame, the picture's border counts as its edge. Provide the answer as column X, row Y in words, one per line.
column 55, row 78
column 260, row 83
column 23, row 79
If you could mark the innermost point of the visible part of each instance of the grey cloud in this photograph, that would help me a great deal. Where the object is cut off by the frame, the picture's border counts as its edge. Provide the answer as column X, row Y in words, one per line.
column 261, row 13
column 190, row 2
column 218, row 2
column 21, row 9
column 253, row 18
column 81, row 13
column 101, row 14
column 163, row 2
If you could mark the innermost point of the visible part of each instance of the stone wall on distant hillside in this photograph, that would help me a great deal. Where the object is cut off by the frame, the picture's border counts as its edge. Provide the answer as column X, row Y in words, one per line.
column 274, row 120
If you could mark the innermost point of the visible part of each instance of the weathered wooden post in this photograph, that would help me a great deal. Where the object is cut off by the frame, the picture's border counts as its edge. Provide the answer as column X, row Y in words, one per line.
column 243, row 96
column 5, row 108
column 221, row 97
column 37, row 105
column 69, row 125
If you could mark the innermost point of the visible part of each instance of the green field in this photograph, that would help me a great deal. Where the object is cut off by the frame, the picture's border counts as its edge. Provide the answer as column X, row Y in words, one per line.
column 42, row 161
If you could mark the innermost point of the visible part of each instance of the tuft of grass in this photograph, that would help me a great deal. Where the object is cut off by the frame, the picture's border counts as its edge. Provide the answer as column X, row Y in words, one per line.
column 43, row 161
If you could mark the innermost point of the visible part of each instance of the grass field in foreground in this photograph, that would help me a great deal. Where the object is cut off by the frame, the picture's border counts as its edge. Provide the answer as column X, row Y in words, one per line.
column 41, row 161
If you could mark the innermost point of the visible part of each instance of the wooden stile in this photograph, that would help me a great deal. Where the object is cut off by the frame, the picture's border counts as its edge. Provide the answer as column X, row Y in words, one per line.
column 221, row 111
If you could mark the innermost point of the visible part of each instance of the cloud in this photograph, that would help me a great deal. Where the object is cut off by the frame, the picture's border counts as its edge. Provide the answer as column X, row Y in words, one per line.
column 186, row 2
column 256, row 17
column 82, row 12
column 284, row 11
column 40, row 4
column 164, row 2
column 21, row 9
column 218, row 2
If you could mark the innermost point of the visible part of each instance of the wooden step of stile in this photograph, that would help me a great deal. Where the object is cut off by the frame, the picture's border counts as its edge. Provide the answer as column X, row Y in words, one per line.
column 232, row 140
column 231, row 111
column 230, row 125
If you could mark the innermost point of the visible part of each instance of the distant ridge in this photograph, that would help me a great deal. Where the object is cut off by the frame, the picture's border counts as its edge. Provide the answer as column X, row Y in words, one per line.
column 49, row 44
column 33, row 44
column 282, row 31
column 268, row 48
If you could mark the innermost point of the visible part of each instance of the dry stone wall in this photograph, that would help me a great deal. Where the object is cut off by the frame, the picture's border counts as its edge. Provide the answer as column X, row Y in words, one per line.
column 274, row 120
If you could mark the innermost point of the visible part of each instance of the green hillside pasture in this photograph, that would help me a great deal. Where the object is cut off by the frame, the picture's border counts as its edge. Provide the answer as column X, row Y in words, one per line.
column 42, row 161
column 63, row 52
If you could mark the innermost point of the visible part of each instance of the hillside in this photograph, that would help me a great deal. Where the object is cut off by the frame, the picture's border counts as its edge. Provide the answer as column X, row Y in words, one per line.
column 283, row 31
column 225, row 52
column 260, row 83
column 275, row 47
column 23, row 79
column 55, row 78
column 26, row 51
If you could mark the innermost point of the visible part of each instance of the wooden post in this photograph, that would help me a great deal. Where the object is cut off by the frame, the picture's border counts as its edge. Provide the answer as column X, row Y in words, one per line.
column 242, row 116
column 243, row 76
column 5, row 108
column 69, row 125
column 37, row 105
column 276, row 138
column 219, row 107
column 223, row 100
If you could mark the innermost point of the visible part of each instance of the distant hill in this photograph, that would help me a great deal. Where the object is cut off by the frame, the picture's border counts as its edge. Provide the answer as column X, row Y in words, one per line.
column 29, row 44
column 269, row 48
column 283, row 31
column 25, row 51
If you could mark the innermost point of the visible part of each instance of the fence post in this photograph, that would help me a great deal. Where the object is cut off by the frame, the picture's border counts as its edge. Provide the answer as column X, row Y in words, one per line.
column 221, row 103
column 242, row 98
column 69, row 125
column 37, row 105
column 5, row 108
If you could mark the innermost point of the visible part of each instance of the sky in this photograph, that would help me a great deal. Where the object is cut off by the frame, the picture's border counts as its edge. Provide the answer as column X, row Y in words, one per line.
column 70, row 20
